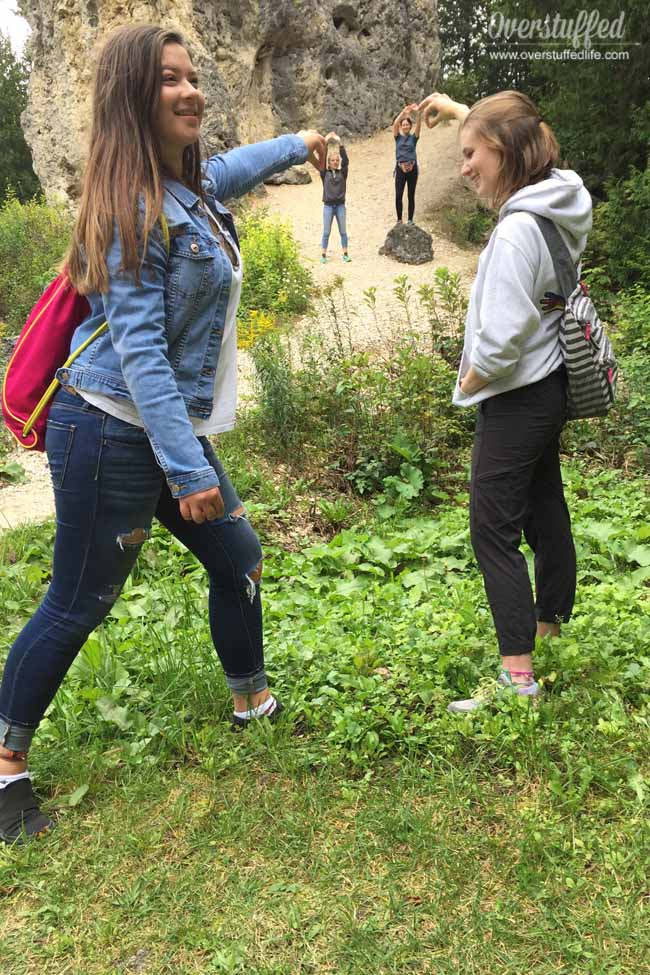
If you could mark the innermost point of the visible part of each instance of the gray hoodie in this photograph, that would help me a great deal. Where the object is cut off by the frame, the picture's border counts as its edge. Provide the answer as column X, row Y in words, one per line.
column 511, row 329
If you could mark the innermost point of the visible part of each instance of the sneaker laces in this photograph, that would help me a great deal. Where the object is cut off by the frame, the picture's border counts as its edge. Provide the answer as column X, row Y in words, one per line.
column 490, row 687
column 487, row 689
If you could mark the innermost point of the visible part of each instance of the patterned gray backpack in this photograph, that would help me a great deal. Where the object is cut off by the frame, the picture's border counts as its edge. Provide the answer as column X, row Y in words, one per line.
column 588, row 355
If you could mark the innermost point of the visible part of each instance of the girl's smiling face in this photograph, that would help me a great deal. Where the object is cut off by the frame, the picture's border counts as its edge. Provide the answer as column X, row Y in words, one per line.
column 180, row 107
column 481, row 163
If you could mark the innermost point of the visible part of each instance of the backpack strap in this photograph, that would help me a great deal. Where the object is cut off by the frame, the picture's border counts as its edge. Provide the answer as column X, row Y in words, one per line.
column 565, row 269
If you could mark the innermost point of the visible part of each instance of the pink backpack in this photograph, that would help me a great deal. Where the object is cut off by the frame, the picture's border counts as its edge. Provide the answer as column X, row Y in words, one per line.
column 43, row 346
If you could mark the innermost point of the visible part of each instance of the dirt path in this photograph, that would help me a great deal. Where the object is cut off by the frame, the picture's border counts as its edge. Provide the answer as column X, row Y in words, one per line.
column 32, row 501
column 371, row 214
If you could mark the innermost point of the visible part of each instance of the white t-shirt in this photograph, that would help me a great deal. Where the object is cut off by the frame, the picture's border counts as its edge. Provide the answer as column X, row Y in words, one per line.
column 224, row 404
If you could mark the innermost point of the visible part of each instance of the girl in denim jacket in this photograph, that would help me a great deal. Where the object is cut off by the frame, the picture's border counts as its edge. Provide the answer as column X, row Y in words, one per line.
column 157, row 256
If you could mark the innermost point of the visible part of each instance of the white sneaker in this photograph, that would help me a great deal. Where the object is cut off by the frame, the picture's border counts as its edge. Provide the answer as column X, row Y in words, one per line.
column 488, row 690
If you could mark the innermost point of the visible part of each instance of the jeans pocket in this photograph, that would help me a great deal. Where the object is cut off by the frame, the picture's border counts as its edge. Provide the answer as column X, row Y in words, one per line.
column 121, row 433
column 58, row 444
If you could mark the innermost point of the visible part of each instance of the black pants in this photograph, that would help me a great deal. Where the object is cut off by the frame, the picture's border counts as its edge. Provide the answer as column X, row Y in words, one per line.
column 517, row 486
column 402, row 180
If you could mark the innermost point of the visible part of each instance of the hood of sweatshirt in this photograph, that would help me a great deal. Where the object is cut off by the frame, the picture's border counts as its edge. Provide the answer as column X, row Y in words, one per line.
column 564, row 199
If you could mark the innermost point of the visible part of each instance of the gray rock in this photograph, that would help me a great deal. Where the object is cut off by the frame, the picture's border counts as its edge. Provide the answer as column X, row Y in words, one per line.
column 294, row 176
column 266, row 67
column 408, row 244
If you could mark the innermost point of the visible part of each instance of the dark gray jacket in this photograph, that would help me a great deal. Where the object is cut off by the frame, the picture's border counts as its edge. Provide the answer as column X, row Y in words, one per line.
column 335, row 180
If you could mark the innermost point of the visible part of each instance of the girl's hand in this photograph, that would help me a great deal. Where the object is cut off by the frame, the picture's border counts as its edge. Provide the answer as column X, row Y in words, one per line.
column 202, row 506
column 316, row 147
column 472, row 382
column 437, row 107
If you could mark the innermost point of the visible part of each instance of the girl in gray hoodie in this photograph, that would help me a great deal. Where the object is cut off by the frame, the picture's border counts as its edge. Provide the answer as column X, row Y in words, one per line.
column 512, row 370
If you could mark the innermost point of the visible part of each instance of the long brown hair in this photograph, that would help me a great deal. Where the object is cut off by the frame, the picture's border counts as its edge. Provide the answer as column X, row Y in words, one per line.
column 124, row 170
column 510, row 123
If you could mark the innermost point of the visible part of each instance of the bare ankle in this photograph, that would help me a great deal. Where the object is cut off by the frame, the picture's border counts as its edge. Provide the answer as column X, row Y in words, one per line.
column 248, row 702
column 12, row 763
column 548, row 629
column 519, row 666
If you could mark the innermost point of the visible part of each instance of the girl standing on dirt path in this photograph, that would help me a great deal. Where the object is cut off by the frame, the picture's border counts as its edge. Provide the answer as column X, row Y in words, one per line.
column 406, row 160
column 334, row 177
column 156, row 253
column 512, row 369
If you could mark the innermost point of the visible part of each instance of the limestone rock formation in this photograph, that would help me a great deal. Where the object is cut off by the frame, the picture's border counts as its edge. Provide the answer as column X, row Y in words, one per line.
column 408, row 244
column 294, row 176
column 267, row 66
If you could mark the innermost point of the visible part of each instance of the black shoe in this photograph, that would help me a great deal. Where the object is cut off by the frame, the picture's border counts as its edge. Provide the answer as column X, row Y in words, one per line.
column 20, row 817
column 238, row 724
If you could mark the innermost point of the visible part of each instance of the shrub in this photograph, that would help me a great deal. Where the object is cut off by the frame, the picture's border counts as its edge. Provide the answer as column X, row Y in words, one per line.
column 274, row 279
column 631, row 314
column 33, row 240
column 253, row 326
column 463, row 218
column 620, row 240
column 369, row 415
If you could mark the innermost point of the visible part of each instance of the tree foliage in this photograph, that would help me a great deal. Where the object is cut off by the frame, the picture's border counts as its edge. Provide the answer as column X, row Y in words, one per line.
column 16, row 172
column 599, row 108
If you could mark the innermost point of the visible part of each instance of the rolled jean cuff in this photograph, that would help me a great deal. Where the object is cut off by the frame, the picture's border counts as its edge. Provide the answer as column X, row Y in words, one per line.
column 15, row 737
column 249, row 684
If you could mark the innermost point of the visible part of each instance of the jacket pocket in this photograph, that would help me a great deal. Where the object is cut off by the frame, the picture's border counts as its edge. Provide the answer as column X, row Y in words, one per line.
column 193, row 266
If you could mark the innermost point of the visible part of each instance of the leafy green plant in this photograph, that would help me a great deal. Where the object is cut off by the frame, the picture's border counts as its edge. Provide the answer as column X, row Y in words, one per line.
column 12, row 473
column 445, row 305
column 342, row 410
column 620, row 239
column 33, row 240
column 275, row 281
column 631, row 313
column 463, row 218
column 337, row 512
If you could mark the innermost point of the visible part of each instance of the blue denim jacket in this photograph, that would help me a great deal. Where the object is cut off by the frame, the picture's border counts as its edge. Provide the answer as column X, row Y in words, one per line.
column 162, row 346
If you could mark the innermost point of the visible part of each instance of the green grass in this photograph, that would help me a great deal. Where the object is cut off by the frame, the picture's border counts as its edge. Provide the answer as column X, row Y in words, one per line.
column 273, row 867
column 370, row 830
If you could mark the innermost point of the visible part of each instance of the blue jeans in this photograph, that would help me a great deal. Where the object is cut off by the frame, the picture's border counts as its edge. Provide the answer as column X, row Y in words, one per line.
column 108, row 487
column 329, row 212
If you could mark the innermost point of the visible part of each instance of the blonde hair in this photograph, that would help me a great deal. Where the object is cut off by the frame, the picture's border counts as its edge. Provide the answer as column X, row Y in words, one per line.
column 510, row 123
column 124, row 169
column 333, row 151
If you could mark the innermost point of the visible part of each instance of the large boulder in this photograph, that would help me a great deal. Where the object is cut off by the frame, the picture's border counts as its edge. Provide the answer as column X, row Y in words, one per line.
column 408, row 244
column 266, row 66
column 294, row 176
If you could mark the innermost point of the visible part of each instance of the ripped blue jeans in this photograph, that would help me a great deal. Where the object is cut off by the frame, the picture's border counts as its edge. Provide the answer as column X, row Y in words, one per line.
column 108, row 488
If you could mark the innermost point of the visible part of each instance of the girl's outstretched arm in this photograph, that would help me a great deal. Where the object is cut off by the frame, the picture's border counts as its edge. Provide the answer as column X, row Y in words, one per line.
column 436, row 107
column 236, row 172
